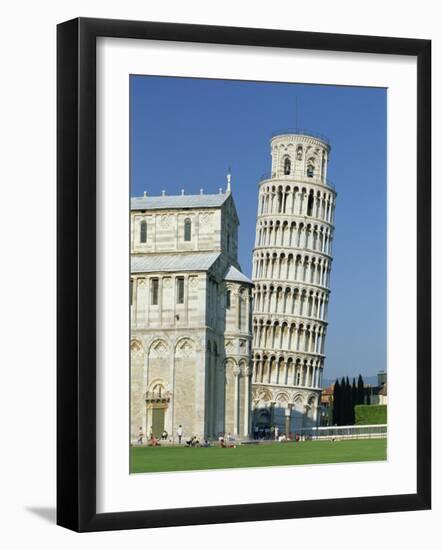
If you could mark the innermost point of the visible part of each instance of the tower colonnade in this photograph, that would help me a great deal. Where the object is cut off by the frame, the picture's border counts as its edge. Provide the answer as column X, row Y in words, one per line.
column 289, row 336
column 292, row 262
column 288, row 371
column 286, row 233
column 308, row 268
column 290, row 301
column 301, row 200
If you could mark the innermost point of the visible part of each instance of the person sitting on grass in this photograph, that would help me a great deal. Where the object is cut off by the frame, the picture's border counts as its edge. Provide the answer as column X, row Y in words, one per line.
column 282, row 438
column 164, row 435
column 205, row 443
column 153, row 441
column 225, row 445
column 192, row 442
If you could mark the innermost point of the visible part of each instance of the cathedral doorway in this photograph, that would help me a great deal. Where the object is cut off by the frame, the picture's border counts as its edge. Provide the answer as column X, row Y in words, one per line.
column 263, row 420
column 158, row 414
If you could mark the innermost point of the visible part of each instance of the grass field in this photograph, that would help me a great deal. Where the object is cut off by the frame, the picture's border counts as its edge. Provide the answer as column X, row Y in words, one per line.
column 169, row 459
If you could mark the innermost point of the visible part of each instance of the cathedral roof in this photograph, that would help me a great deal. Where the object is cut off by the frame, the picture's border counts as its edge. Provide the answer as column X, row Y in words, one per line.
column 234, row 274
column 193, row 261
column 178, row 201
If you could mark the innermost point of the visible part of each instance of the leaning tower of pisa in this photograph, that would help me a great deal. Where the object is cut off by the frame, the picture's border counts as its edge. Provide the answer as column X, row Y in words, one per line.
column 291, row 272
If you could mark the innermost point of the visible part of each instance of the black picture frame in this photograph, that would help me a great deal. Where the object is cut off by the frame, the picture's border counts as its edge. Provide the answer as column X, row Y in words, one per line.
column 76, row 274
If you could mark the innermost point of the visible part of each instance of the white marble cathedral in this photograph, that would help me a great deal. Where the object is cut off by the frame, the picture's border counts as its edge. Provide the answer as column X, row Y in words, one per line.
column 191, row 318
column 291, row 273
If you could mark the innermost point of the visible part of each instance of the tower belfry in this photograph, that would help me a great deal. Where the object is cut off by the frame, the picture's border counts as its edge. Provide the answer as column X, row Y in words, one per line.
column 291, row 273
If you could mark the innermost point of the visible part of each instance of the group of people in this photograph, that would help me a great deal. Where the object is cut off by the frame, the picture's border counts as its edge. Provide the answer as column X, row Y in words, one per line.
column 273, row 434
column 224, row 441
column 152, row 440
column 261, row 432
column 195, row 442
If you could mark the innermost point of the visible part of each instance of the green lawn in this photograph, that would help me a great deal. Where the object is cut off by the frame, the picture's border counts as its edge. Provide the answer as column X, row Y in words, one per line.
column 169, row 459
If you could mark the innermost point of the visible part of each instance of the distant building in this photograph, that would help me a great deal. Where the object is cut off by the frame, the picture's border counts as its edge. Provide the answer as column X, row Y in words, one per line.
column 326, row 405
column 382, row 394
column 382, row 378
column 377, row 395
column 190, row 318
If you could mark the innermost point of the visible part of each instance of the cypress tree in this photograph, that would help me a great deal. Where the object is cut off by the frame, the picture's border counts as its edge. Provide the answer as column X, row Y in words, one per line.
column 336, row 403
column 360, row 398
column 354, row 395
column 343, row 411
column 368, row 402
column 347, row 402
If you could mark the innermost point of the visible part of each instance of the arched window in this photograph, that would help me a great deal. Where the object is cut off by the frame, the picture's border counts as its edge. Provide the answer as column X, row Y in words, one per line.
column 228, row 299
column 279, row 197
column 180, row 290
column 143, row 232
column 287, row 166
column 154, row 291
column 242, row 309
column 187, row 229
column 299, row 152
column 310, row 204
column 311, row 168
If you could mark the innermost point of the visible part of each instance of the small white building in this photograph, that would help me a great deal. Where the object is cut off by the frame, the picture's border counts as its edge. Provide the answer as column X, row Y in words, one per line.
column 190, row 318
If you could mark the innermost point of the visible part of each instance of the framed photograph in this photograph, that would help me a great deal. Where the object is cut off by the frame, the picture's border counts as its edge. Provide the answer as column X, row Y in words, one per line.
column 243, row 274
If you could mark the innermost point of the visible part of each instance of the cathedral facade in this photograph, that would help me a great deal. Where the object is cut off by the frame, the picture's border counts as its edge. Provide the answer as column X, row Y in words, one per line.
column 291, row 274
column 191, row 318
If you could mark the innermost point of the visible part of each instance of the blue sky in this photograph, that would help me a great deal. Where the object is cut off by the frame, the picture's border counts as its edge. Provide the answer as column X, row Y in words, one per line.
column 185, row 133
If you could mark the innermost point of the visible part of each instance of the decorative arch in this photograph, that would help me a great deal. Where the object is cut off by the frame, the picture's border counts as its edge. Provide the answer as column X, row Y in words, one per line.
column 243, row 363
column 298, row 401
column 263, row 397
column 282, row 398
column 136, row 347
column 312, row 399
column 159, row 348
column 185, row 347
column 157, row 385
